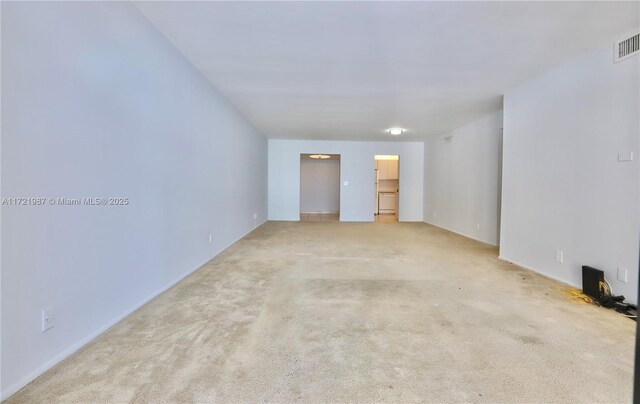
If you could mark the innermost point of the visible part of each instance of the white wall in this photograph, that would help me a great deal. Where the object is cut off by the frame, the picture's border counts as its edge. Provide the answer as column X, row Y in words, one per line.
column 563, row 187
column 462, row 179
column 357, row 200
column 320, row 185
column 97, row 103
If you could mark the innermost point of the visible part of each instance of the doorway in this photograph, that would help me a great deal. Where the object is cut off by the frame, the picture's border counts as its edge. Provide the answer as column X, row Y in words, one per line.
column 319, row 187
column 387, row 187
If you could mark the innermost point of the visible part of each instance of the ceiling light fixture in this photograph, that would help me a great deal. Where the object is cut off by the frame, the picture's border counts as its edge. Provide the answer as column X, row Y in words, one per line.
column 396, row 131
column 320, row 156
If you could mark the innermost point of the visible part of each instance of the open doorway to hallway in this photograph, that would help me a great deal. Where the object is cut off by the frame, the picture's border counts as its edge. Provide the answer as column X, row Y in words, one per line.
column 387, row 187
column 319, row 187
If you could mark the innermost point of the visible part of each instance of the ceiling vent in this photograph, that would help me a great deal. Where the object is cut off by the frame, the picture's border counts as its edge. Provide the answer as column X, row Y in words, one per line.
column 626, row 47
column 447, row 139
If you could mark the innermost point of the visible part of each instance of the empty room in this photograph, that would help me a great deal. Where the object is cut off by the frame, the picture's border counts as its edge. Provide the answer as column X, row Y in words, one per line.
column 319, row 201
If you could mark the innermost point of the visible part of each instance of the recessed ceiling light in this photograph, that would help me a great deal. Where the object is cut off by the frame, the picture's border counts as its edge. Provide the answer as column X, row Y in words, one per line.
column 320, row 156
column 396, row 131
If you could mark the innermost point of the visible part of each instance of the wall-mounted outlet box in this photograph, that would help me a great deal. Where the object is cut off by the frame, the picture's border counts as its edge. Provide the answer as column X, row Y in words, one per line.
column 434, row 214
column 478, row 226
column 210, row 238
column 559, row 256
column 48, row 318
column 255, row 216
column 623, row 157
column 622, row 274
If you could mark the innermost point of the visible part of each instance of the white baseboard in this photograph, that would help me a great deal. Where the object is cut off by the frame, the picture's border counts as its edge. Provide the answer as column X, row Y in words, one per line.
column 462, row 234
column 31, row 376
column 321, row 213
column 528, row 268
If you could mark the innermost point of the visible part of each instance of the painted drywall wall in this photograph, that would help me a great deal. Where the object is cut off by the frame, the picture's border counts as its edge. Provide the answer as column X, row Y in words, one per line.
column 563, row 186
column 462, row 179
column 357, row 192
column 320, row 185
column 97, row 103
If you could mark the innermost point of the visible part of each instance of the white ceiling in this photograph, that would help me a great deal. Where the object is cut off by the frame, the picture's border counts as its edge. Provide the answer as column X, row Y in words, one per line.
column 349, row 70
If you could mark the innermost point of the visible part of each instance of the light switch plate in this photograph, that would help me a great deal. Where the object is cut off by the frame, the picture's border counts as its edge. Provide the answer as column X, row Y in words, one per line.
column 622, row 157
column 559, row 256
column 48, row 318
column 622, row 274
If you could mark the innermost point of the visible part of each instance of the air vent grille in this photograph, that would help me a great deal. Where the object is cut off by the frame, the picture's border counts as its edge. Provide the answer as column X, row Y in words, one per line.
column 627, row 47
column 447, row 139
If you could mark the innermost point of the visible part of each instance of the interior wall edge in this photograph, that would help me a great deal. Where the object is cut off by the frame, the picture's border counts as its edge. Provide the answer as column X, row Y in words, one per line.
column 462, row 179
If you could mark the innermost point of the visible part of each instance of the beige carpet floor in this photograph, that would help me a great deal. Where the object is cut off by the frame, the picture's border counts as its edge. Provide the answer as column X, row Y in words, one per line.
column 345, row 312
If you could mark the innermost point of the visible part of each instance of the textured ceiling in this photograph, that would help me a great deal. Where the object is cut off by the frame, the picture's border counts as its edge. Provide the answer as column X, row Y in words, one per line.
column 349, row 70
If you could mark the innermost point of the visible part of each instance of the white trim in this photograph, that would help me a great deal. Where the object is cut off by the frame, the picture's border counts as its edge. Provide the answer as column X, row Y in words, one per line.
column 463, row 234
column 321, row 213
column 528, row 268
column 282, row 219
column 31, row 376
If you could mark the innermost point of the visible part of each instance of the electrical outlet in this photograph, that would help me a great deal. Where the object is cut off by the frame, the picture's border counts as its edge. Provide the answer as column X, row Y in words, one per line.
column 559, row 256
column 210, row 238
column 255, row 216
column 434, row 214
column 623, row 157
column 48, row 318
column 478, row 226
column 622, row 274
